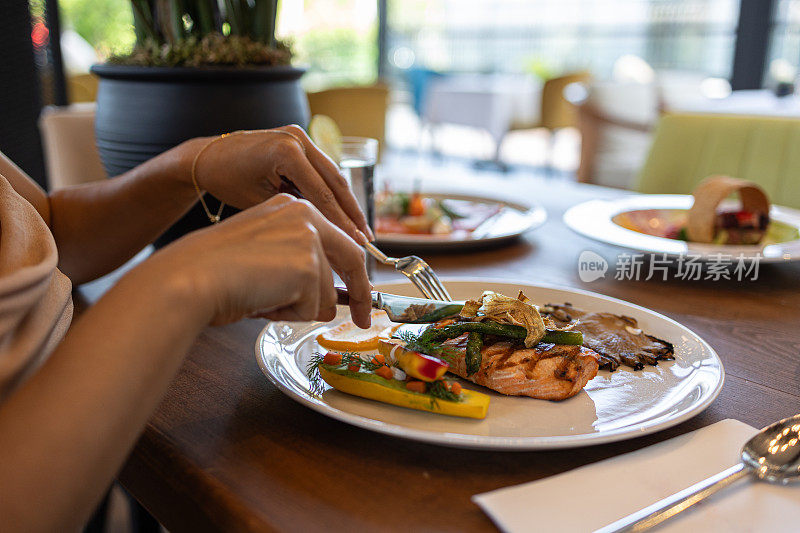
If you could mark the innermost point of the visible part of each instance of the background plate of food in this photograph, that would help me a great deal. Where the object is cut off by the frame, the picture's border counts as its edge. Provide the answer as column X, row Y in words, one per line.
column 436, row 221
column 653, row 373
column 676, row 224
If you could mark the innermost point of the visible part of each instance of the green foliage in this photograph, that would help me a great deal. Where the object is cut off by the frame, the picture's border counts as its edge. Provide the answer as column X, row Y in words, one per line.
column 212, row 50
column 105, row 24
column 338, row 56
column 193, row 33
column 172, row 21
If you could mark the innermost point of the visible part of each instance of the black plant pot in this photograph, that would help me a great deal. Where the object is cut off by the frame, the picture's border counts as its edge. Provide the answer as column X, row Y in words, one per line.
column 144, row 111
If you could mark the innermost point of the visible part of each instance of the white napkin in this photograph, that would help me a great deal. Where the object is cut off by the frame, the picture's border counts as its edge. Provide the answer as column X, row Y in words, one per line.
column 596, row 495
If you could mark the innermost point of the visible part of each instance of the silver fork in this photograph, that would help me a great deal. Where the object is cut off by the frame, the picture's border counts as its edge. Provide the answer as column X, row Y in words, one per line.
column 415, row 269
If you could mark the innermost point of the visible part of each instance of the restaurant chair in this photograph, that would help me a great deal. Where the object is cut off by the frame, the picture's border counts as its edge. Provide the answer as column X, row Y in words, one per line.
column 358, row 111
column 616, row 118
column 688, row 147
column 615, row 121
column 419, row 80
column 556, row 111
column 82, row 88
column 68, row 140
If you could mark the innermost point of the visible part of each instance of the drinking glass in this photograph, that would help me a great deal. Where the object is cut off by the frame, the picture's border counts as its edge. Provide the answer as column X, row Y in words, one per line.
column 357, row 164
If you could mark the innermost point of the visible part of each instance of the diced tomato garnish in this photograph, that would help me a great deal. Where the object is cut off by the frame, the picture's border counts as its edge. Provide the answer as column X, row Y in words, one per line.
column 353, row 367
column 416, row 386
column 378, row 359
column 332, row 358
column 416, row 207
column 384, row 372
column 455, row 387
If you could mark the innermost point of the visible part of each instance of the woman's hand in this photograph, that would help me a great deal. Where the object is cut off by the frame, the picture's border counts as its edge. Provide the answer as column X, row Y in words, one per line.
column 274, row 261
column 246, row 169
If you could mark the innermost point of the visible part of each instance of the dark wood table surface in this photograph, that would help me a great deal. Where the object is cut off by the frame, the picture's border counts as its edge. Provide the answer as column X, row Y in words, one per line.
column 227, row 451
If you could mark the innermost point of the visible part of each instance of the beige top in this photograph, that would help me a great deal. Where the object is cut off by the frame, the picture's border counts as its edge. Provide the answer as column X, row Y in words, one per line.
column 35, row 297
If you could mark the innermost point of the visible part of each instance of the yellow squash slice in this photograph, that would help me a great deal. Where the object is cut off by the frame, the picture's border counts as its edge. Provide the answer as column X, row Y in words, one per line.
column 473, row 404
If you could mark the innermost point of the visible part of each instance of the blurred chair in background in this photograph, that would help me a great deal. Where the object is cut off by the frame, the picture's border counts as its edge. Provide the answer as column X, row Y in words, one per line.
column 689, row 147
column 69, row 145
column 419, row 80
column 358, row 111
column 616, row 118
column 556, row 111
column 615, row 121
column 82, row 88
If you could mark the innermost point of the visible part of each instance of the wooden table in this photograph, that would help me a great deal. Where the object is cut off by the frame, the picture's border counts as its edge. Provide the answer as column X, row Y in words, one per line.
column 227, row 450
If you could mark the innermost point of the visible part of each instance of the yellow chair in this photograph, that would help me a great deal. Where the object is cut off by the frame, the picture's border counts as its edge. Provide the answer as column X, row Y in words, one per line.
column 358, row 111
column 556, row 112
column 82, row 88
column 688, row 147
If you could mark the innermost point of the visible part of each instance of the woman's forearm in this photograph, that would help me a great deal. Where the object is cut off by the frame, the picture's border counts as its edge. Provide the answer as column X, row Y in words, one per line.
column 99, row 226
column 66, row 431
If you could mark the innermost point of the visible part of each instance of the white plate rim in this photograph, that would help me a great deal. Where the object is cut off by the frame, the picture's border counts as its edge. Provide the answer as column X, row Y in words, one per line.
column 509, row 443
column 535, row 215
column 603, row 229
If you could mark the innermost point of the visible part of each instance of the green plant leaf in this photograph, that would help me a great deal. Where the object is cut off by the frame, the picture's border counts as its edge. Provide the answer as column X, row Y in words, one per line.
column 144, row 23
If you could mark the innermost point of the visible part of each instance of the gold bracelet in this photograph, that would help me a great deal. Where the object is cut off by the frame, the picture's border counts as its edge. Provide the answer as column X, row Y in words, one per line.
column 216, row 218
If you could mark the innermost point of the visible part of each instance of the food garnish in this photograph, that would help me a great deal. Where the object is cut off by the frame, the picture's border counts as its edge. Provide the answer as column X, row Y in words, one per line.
column 349, row 337
column 500, row 309
column 415, row 213
column 368, row 377
column 439, row 334
column 413, row 363
column 326, row 135
column 742, row 226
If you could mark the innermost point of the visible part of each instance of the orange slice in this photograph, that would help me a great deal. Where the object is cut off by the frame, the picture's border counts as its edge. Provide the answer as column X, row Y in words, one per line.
column 347, row 337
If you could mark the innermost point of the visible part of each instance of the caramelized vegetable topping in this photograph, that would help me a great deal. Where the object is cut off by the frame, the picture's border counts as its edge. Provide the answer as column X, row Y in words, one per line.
column 502, row 309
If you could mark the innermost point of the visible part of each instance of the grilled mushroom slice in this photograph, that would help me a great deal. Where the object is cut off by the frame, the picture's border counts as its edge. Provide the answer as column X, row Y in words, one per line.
column 618, row 339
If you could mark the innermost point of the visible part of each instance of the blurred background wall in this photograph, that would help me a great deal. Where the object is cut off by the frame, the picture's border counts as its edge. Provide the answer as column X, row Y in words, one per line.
column 408, row 44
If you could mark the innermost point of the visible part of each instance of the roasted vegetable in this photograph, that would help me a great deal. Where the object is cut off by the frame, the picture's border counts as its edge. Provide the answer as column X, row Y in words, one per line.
column 415, row 364
column 473, row 355
column 501, row 309
column 468, row 404
column 501, row 330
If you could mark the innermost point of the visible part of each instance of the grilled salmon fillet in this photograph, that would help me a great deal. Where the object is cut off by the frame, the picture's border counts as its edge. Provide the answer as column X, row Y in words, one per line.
column 545, row 371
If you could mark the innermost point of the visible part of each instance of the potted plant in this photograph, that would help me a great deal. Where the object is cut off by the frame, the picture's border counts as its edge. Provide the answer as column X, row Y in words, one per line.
column 199, row 68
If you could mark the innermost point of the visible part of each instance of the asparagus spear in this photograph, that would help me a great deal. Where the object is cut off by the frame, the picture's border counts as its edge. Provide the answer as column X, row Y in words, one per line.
column 501, row 330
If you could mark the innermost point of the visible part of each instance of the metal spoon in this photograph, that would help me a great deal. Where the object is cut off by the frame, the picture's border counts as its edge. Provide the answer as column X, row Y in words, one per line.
column 772, row 455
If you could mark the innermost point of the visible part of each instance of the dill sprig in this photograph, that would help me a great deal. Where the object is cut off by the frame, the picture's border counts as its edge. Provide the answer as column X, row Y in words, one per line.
column 315, row 381
column 439, row 390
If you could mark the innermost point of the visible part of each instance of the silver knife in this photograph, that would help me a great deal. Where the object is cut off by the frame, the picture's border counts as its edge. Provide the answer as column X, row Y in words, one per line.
column 405, row 308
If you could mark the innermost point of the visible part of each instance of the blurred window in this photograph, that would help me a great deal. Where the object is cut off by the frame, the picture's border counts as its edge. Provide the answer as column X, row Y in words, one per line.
column 546, row 37
column 784, row 50
column 335, row 39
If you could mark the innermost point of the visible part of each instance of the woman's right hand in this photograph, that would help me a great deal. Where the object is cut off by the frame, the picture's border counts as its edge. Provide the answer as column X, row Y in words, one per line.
column 273, row 260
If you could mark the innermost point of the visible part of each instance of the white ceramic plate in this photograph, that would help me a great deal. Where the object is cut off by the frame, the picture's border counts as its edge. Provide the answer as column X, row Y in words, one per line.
column 510, row 223
column 613, row 406
column 594, row 219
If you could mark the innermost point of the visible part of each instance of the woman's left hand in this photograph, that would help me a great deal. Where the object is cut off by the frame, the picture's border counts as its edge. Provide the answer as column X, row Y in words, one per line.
column 244, row 170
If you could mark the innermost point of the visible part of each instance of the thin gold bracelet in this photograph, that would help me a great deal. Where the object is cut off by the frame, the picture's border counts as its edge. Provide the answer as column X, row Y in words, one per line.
column 216, row 218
